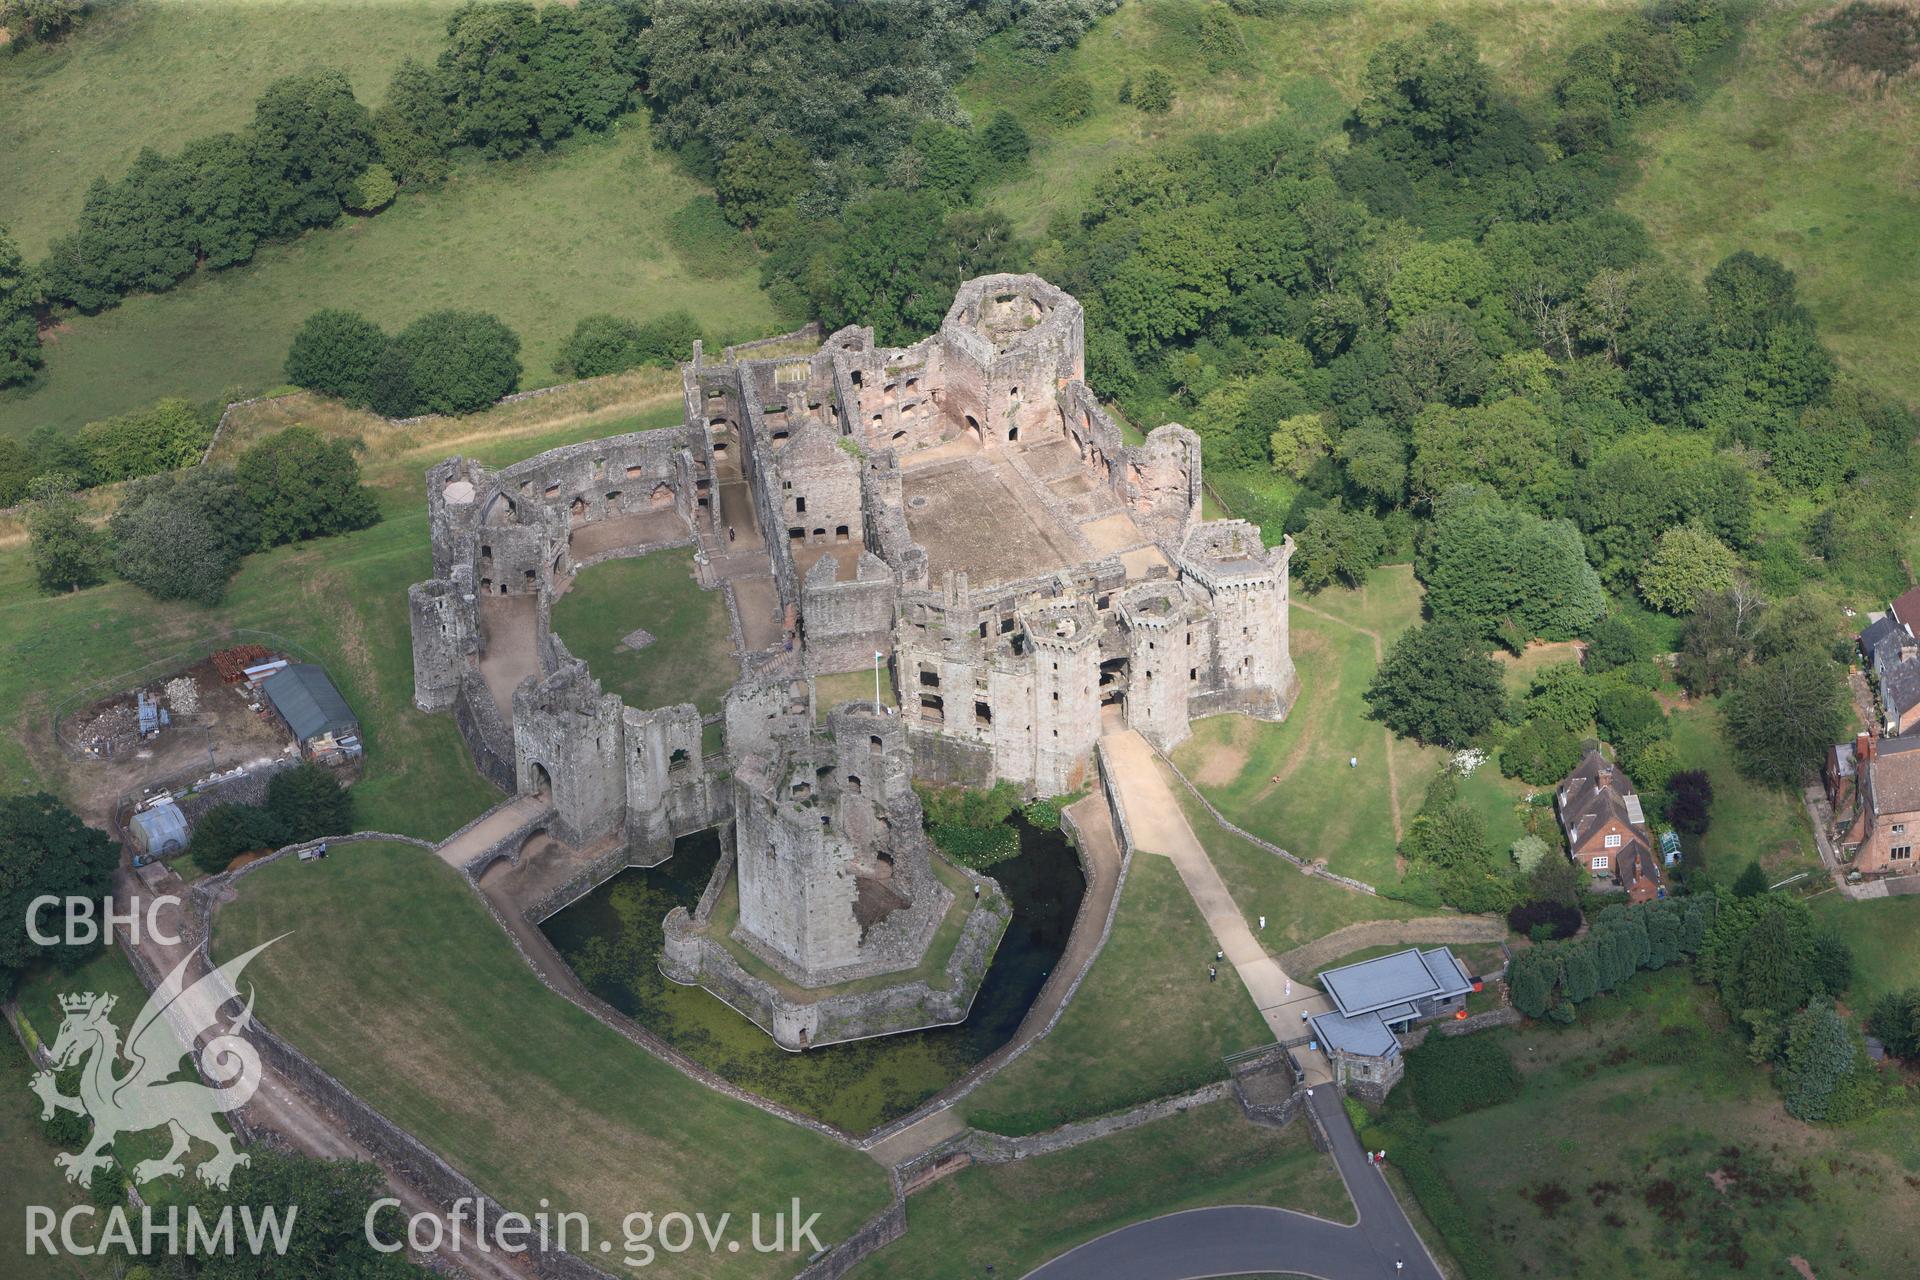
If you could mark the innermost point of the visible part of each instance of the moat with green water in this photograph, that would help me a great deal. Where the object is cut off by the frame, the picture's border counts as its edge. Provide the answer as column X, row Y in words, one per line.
column 612, row 939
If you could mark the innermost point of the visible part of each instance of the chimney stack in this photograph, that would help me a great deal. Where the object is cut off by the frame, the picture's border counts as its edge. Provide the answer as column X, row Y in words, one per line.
column 1863, row 748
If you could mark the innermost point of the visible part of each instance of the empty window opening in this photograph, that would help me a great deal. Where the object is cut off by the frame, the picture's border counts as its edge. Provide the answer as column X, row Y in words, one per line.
column 679, row 759
column 635, row 472
column 933, row 707
column 796, row 535
column 982, row 715
column 553, row 490
column 840, row 534
column 875, row 743
column 800, row 506
column 801, row 790
column 929, row 679
column 853, row 785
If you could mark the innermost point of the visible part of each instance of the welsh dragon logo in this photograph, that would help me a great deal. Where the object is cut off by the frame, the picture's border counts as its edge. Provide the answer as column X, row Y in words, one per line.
column 144, row 1097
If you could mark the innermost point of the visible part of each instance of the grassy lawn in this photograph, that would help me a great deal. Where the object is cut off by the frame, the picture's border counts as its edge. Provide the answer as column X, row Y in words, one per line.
column 1303, row 67
column 1145, row 1023
column 850, row 686
column 1298, row 907
column 1818, row 175
column 146, row 74
column 1012, row 1217
column 1747, row 820
column 1291, row 782
column 452, row 1037
column 690, row 659
column 1605, row 1164
column 540, row 243
column 1885, row 936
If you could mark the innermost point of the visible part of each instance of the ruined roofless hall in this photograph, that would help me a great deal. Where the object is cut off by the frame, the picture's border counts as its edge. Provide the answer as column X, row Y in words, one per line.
column 962, row 506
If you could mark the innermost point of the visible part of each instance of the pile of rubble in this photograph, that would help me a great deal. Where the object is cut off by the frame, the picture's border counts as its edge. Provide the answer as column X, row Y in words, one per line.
column 183, row 695
column 113, row 730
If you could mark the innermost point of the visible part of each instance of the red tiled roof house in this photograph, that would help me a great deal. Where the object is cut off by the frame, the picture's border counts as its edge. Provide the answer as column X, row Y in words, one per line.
column 1606, row 829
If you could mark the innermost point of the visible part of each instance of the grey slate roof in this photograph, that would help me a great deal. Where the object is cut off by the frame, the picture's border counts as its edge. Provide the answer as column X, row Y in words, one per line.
column 1877, row 630
column 308, row 702
column 1899, row 677
column 1377, row 985
column 1366, row 1035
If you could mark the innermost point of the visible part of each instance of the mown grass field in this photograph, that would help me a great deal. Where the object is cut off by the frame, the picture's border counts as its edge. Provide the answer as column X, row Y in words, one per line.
column 1292, row 782
column 540, row 243
column 1298, row 907
column 1304, row 67
column 1885, row 936
column 1801, row 166
column 1645, row 1143
column 451, row 1036
column 689, row 659
column 154, row 74
column 1012, row 1217
column 1747, row 820
column 1144, row 1024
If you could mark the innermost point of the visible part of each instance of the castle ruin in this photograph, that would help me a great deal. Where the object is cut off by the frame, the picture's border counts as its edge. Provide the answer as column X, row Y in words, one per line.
column 962, row 509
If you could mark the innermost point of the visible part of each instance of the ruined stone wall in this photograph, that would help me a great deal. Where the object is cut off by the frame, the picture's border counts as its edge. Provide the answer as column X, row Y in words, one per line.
column 819, row 496
column 568, row 742
column 669, row 791
column 844, row 623
column 444, row 640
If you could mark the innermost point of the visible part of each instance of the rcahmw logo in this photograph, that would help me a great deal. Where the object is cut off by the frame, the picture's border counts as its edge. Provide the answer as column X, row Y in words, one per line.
column 142, row 1097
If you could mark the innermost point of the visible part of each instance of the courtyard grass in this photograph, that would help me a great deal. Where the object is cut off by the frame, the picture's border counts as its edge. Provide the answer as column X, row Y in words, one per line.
column 1146, row 1022
column 1302, row 66
column 1823, row 176
column 689, row 658
column 1006, row 1219
column 451, row 1036
column 1885, row 936
column 539, row 242
column 1645, row 1143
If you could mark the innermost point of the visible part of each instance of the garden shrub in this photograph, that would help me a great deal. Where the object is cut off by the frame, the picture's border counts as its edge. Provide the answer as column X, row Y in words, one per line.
column 1452, row 1075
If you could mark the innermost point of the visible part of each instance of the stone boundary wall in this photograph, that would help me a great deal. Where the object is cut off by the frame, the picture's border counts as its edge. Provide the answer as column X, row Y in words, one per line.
column 1504, row 1016
column 808, row 332
column 1311, row 868
column 994, row 1148
column 1304, row 959
column 880, row 1230
column 717, row 882
column 486, row 735
column 631, row 552
column 597, row 873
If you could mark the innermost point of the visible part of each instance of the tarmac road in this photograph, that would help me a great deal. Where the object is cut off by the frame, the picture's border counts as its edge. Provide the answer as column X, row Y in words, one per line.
column 1238, row 1240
